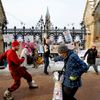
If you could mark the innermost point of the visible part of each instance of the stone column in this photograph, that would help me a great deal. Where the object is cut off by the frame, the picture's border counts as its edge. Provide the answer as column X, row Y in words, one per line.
column 1, row 41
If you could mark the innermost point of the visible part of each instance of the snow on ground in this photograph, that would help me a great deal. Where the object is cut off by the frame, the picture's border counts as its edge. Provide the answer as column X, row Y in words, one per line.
column 53, row 66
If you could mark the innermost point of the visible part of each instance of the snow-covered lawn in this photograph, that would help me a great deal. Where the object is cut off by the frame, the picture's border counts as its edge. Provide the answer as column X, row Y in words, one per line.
column 53, row 66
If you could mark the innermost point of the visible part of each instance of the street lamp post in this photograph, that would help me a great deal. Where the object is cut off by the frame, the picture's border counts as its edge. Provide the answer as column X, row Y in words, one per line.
column 47, row 30
column 44, row 28
column 63, row 35
column 56, row 34
column 33, row 32
column 73, row 32
column 23, row 33
column 41, row 33
column 15, row 35
column 41, row 24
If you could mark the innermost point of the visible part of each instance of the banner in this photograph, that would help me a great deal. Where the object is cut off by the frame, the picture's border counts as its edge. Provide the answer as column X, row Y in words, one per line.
column 67, row 36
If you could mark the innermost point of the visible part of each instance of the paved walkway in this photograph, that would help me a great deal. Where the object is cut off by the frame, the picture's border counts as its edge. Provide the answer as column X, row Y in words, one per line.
column 89, row 90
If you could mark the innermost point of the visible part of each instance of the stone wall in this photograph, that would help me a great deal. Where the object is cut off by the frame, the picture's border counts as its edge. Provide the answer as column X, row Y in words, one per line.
column 1, row 43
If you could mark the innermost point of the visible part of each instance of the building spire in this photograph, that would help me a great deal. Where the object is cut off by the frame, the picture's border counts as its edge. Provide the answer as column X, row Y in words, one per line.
column 47, row 14
column 47, row 25
column 47, row 20
column 40, row 23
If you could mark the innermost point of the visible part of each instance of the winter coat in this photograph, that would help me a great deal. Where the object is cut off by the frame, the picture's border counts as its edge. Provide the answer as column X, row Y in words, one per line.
column 92, row 54
column 46, row 50
column 13, row 61
column 73, row 66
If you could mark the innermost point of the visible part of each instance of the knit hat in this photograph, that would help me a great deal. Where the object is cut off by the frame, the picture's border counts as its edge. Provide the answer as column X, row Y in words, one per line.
column 15, row 43
column 62, row 48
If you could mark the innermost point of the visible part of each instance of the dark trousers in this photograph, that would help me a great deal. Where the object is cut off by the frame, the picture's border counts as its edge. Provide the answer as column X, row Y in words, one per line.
column 68, row 93
column 46, row 63
column 17, row 75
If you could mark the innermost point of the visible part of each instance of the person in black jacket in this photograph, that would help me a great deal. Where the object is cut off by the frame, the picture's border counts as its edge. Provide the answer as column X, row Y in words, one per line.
column 46, row 55
column 91, row 57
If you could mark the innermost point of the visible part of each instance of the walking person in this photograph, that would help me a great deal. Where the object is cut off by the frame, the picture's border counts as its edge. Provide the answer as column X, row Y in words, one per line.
column 74, row 67
column 46, row 56
column 16, row 71
column 35, row 56
column 24, row 54
column 91, row 57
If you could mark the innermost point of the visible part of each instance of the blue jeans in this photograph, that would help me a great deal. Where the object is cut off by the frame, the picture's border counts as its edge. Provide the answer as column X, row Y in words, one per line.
column 46, row 63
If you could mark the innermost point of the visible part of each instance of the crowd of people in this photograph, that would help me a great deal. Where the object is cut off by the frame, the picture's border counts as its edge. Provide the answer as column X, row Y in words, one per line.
column 74, row 67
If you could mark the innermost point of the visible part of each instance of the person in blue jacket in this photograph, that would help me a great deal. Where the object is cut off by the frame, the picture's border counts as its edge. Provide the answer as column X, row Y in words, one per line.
column 74, row 67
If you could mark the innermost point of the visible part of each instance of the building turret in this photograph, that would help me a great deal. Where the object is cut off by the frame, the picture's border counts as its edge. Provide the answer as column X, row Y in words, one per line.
column 48, row 24
column 40, row 23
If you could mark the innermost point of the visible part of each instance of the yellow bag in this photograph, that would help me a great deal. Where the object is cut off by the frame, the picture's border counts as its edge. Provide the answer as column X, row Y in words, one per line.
column 39, row 60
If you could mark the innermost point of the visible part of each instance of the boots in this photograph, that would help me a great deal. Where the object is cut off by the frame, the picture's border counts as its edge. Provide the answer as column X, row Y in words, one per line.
column 8, row 96
column 32, row 85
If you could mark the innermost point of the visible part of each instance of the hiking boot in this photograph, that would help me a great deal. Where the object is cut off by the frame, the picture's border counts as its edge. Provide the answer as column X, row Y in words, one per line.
column 32, row 85
column 8, row 96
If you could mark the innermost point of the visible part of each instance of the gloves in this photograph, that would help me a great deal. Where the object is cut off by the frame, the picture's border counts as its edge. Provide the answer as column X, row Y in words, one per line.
column 73, row 78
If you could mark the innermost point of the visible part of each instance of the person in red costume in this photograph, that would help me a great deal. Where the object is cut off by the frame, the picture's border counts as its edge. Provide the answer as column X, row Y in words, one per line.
column 16, row 71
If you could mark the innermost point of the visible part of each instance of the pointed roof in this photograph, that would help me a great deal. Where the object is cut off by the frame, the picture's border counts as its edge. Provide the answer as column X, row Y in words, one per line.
column 47, row 14
column 47, row 22
column 40, row 23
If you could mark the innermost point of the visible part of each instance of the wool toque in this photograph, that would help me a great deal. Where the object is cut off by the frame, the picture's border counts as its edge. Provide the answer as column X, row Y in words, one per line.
column 15, row 43
column 62, row 48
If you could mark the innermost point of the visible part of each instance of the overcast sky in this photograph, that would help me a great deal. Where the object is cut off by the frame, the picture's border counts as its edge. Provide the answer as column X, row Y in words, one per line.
column 62, row 12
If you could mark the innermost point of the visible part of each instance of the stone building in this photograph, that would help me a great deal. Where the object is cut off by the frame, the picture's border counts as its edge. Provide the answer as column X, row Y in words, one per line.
column 2, row 25
column 91, row 19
